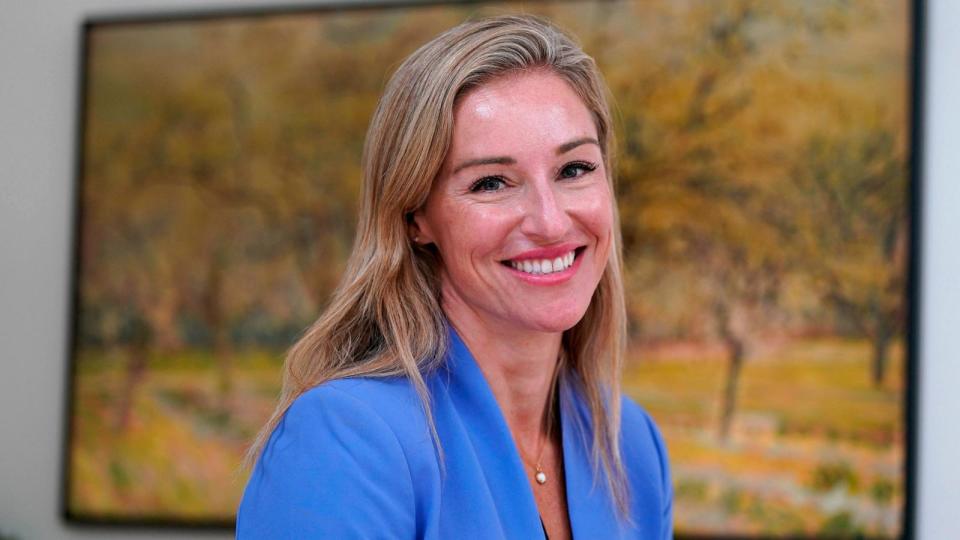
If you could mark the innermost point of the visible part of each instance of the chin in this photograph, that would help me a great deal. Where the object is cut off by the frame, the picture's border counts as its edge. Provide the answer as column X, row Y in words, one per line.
column 558, row 321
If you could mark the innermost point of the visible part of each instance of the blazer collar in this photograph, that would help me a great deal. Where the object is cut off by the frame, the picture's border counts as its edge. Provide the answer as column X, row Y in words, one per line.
column 591, row 509
column 490, row 437
column 589, row 506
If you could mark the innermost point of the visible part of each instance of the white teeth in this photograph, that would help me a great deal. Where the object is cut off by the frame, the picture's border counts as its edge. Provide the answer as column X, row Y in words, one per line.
column 544, row 266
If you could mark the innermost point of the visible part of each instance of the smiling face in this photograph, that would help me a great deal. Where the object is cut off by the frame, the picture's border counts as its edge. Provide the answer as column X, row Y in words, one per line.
column 521, row 210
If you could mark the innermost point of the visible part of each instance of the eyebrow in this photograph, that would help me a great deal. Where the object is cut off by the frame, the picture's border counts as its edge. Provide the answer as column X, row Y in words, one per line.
column 566, row 147
column 501, row 160
column 506, row 160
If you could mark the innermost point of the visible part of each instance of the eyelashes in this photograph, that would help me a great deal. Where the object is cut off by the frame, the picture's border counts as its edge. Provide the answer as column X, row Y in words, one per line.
column 570, row 171
column 577, row 169
column 488, row 184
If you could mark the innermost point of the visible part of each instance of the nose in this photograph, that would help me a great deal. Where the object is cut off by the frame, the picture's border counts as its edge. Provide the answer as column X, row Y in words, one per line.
column 546, row 216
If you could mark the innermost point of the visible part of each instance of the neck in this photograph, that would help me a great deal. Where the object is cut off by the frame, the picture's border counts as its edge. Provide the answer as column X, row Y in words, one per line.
column 518, row 364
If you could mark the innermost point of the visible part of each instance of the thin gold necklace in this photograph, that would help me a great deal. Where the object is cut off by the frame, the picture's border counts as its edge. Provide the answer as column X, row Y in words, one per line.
column 539, row 475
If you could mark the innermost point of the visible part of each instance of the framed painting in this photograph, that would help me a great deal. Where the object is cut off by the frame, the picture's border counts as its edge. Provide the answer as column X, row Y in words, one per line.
column 769, row 205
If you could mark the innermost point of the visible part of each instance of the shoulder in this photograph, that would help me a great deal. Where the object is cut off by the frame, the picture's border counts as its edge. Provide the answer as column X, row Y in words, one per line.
column 350, row 443
column 639, row 430
column 389, row 403
column 646, row 459
column 367, row 414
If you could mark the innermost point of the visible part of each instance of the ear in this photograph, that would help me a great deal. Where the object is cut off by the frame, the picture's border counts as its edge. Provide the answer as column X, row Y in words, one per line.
column 419, row 228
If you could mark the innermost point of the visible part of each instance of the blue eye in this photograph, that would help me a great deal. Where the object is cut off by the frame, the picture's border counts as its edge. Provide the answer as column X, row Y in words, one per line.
column 488, row 183
column 576, row 169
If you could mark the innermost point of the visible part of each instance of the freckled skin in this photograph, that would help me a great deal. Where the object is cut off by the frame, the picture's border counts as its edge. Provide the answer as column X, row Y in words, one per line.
column 532, row 203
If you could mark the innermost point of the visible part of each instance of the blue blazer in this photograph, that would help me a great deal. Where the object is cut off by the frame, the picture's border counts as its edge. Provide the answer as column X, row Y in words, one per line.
column 354, row 458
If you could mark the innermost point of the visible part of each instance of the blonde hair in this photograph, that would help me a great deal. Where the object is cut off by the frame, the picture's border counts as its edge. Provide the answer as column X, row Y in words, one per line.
column 384, row 318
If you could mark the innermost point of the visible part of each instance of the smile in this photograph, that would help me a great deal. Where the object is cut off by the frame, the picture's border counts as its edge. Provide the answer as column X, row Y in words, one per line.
column 544, row 266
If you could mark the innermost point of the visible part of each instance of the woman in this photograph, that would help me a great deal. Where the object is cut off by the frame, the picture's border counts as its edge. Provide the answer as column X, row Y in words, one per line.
column 464, row 381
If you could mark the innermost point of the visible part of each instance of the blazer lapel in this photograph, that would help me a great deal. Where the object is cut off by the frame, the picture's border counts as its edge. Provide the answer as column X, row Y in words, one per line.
column 592, row 513
column 493, row 446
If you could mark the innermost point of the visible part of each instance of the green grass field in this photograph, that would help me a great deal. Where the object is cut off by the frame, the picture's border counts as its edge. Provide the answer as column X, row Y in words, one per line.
column 180, row 455
column 814, row 447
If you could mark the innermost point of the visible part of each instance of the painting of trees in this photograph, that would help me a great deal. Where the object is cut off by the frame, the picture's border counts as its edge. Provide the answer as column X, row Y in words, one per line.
column 854, row 183
column 762, row 178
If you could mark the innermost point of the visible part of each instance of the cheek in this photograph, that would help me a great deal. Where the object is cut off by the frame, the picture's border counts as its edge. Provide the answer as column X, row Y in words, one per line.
column 467, row 230
column 595, row 211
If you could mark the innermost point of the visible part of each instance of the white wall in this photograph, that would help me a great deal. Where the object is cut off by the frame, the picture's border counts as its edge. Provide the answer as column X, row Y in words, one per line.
column 939, row 514
column 38, row 70
column 38, row 79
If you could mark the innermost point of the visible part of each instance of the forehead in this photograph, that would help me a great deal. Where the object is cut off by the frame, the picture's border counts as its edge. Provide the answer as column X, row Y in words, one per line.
column 518, row 111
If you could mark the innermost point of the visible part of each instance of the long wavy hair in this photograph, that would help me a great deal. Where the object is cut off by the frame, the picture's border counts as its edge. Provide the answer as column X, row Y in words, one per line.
column 384, row 318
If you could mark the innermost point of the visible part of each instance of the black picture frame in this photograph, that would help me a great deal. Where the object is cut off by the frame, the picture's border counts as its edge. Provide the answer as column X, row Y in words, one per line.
column 92, row 24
